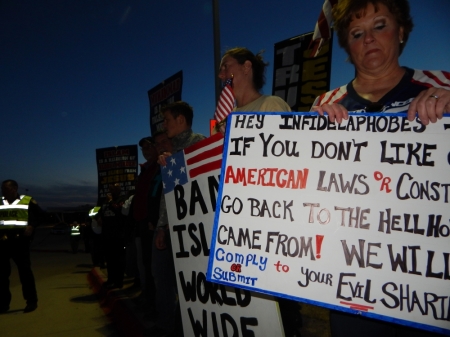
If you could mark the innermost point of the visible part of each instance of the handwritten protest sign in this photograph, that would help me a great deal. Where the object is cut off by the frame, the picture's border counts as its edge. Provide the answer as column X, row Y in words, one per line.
column 191, row 182
column 116, row 164
column 353, row 217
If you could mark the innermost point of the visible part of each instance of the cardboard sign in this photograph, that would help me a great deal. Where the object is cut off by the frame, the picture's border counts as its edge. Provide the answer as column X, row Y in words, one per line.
column 191, row 182
column 166, row 92
column 352, row 217
column 298, row 77
column 116, row 164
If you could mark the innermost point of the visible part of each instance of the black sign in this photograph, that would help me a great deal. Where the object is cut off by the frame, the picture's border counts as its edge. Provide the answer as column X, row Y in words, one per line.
column 116, row 165
column 168, row 91
column 298, row 77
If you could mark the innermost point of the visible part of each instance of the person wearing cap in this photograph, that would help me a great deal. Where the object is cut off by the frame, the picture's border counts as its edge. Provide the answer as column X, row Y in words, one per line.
column 145, row 213
column 19, row 215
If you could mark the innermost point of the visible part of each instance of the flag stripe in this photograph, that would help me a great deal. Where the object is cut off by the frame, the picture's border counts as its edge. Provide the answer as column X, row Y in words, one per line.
column 205, row 168
column 203, row 143
column 435, row 78
column 322, row 29
column 428, row 85
column 446, row 75
column 197, row 159
column 322, row 24
column 205, row 155
column 200, row 156
column 226, row 102
column 331, row 96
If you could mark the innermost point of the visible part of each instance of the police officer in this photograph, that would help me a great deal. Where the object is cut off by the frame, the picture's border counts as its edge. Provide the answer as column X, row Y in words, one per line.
column 18, row 217
column 75, row 235
column 98, row 258
column 113, row 227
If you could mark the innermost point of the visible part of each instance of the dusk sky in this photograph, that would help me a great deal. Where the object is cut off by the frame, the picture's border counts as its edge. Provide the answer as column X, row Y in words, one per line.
column 74, row 74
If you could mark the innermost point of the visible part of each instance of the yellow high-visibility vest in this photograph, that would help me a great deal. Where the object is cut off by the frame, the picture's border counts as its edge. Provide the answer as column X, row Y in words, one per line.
column 93, row 212
column 75, row 230
column 16, row 214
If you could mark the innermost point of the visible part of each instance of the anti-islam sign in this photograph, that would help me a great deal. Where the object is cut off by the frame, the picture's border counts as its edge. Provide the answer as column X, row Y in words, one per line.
column 116, row 164
column 164, row 93
column 191, row 181
column 353, row 217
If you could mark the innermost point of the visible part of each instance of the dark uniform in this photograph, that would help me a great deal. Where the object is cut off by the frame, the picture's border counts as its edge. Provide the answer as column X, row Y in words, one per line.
column 15, row 245
column 75, row 236
column 145, row 210
column 95, row 237
column 113, row 237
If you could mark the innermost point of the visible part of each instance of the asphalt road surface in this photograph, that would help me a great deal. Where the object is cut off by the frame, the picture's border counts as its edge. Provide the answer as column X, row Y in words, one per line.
column 67, row 306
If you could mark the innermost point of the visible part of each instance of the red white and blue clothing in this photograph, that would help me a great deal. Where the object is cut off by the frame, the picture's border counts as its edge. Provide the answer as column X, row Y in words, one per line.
column 396, row 100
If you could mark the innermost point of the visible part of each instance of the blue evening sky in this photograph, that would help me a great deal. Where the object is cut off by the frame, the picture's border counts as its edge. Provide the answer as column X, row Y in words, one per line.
column 74, row 74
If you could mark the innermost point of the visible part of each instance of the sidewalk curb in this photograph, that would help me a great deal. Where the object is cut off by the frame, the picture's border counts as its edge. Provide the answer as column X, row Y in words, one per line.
column 120, row 309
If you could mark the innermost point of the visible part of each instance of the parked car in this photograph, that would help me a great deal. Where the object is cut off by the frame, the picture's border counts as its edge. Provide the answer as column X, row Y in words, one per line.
column 61, row 228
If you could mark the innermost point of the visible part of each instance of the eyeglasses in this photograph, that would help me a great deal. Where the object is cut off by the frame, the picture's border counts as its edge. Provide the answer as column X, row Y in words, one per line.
column 375, row 107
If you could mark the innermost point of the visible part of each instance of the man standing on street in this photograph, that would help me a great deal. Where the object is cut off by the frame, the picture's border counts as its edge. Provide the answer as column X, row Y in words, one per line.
column 75, row 236
column 111, row 219
column 178, row 118
column 19, row 216
column 145, row 213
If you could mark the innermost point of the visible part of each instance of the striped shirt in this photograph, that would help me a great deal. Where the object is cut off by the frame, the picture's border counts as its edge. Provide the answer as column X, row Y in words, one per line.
column 397, row 100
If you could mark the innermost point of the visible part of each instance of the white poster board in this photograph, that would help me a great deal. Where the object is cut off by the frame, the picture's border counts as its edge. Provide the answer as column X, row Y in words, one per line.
column 191, row 182
column 353, row 217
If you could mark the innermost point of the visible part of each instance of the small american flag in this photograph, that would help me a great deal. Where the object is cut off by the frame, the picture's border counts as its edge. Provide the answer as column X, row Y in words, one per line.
column 322, row 31
column 226, row 102
column 200, row 158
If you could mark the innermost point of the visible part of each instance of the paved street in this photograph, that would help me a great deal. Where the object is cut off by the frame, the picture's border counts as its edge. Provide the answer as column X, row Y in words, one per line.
column 67, row 306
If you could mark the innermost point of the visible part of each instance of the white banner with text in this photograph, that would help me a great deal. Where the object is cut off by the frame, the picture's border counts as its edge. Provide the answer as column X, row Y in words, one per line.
column 191, row 183
column 353, row 217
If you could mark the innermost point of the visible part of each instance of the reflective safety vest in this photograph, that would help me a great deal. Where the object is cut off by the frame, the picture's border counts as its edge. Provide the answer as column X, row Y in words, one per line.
column 95, row 226
column 75, row 230
column 14, row 215
column 93, row 212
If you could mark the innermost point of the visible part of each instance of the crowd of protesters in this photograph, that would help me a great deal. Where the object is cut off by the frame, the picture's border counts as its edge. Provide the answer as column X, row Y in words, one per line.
column 130, row 235
column 143, row 217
